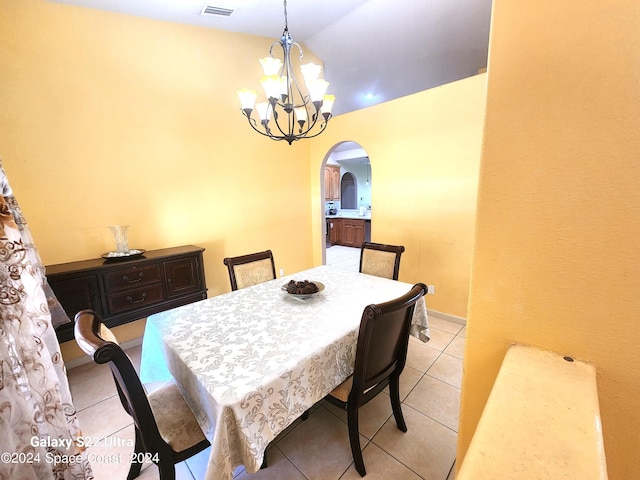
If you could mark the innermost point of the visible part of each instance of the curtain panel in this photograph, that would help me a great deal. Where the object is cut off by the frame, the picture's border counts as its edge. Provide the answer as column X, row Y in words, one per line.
column 38, row 424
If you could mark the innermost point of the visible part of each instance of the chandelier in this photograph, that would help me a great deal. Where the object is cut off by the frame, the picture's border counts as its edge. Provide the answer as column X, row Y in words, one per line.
column 289, row 112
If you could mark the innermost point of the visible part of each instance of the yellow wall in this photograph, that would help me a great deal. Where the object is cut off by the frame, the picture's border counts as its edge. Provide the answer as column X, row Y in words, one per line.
column 425, row 154
column 112, row 119
column 556, row 260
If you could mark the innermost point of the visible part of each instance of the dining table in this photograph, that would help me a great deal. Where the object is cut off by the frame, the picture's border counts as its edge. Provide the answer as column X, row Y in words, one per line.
column 252, row 361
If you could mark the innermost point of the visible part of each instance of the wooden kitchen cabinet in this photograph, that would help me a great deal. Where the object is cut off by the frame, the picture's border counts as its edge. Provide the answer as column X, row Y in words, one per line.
column 353, row 232
column 350, row 232
column 335, row 232
column 332, row 182
column 122, row 291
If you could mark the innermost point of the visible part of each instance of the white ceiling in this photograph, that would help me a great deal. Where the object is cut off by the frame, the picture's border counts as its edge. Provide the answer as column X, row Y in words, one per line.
column 381, row 47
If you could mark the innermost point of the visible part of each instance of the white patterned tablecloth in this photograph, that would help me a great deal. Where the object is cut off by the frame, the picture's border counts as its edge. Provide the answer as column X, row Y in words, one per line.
column 252, row 361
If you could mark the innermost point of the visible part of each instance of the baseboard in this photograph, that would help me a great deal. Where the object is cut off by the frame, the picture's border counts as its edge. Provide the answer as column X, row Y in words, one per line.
column 76, row 362
column 446, row 316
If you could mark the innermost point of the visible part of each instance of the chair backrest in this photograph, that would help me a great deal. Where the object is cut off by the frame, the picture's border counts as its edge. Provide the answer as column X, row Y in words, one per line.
column 380, row 260
column 382, row 344
column 247, row 270
column 97, row 341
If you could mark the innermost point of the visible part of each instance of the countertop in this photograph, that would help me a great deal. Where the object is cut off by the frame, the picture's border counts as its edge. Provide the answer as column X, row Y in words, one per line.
column 355, row 216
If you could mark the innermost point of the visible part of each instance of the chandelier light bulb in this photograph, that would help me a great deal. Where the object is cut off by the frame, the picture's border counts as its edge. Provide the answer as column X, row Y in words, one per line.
column 317, row 89
column 247, row 98
column 310, row 72
column 301, row 114
column 271, row 65
column 264, row 112
column 327, row 104
column 271, row 85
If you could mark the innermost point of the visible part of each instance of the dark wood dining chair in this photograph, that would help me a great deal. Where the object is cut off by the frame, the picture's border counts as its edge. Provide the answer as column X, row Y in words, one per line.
column 166, row 430
column 251, row 269
column 380, row 260
column 381, row 354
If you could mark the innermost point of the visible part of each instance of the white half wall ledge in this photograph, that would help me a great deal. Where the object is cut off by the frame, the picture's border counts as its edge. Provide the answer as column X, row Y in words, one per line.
column 541, row 421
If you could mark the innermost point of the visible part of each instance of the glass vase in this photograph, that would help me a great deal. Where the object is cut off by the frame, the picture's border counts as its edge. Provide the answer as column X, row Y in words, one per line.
column 120, row 236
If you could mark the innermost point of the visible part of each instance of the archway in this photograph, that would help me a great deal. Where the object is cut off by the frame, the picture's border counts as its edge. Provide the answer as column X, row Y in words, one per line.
column 347, row 163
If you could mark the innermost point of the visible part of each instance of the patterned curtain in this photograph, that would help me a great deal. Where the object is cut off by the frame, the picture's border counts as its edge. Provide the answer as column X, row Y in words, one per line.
column 38, row 423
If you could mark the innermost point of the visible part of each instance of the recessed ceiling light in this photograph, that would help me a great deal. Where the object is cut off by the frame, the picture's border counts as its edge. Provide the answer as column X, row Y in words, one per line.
column 369, row 96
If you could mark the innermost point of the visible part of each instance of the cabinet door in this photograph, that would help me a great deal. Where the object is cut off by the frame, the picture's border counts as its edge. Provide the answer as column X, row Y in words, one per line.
column 348, row 234
column 182, row 276
column 358, row 234
column 335, row 183
column 332, row 182
column 79, row 293
column 335, row 233
column 327, row 184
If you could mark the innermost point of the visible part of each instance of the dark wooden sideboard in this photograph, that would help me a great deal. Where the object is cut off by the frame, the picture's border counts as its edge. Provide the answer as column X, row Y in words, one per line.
column 122, row 291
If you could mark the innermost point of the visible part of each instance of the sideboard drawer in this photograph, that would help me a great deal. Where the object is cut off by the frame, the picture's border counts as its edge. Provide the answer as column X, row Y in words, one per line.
column 135, row 298
column 132, row 277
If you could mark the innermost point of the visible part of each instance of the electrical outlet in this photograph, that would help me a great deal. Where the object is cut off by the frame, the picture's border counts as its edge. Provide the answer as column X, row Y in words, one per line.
column 431, row 289
column 282, row 272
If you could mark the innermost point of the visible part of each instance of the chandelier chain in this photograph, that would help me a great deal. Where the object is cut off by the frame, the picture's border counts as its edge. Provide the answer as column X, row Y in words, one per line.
column 286, row 23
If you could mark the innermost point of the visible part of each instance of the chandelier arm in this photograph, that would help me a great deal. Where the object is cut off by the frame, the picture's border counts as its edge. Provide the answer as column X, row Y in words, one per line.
column 268, row 134
column 323, row 125
column 287, row 72
column 290, row 138
column 296, row 44
column 277, row 42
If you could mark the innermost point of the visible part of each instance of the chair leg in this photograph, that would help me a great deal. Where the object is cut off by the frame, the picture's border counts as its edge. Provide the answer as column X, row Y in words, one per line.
column 134, row 471
column 354, row 440
column 167, row 470
column 394, row 393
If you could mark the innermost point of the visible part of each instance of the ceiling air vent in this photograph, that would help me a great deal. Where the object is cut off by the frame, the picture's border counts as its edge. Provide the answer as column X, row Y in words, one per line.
column 213, row 10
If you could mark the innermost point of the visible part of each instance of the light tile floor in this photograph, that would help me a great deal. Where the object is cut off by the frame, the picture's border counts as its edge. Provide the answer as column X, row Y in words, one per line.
column 343, row 257
column 319, row 447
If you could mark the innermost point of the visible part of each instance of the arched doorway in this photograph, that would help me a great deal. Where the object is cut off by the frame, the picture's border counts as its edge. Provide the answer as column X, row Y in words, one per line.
column 347, row 163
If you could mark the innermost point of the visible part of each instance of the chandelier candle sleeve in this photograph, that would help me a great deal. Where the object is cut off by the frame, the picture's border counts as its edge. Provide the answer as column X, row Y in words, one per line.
column 290, row 112
column 270, row 65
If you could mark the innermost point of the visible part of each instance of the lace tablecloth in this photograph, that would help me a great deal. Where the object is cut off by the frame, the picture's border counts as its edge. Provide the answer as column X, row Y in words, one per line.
column 252, row 361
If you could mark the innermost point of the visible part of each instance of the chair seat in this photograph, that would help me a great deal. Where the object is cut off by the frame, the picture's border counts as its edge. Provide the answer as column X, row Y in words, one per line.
column 341, row 392
column 176, row 422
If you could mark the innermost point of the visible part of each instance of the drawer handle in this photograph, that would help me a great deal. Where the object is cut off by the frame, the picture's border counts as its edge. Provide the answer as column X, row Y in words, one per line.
column 142, row 298
column 135, row 280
